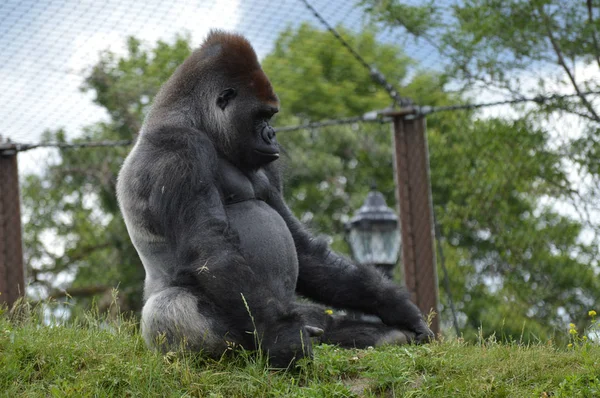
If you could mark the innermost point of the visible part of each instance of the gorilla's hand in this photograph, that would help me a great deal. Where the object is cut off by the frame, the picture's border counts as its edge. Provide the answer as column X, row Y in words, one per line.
column 423, row 334
column 404, row 315
column 289, row 342
column 400, row 337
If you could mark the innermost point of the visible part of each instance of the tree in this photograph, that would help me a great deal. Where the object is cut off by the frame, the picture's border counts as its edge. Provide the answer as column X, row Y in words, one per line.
column 511, row 259
column 330, row 170
column 524, row 48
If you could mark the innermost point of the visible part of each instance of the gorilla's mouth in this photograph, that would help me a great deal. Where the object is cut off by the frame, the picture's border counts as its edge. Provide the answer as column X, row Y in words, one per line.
column 268, row 154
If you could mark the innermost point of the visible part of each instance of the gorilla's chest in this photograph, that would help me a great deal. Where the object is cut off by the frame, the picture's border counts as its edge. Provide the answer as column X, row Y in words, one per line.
column 265, row 239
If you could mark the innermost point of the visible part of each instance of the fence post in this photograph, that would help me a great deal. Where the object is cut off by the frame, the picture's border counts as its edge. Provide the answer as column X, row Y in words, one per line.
column 416, row 210
column 12, row 275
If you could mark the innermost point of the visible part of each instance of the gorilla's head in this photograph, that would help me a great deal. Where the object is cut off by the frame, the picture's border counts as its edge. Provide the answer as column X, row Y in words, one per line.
column 224, row 92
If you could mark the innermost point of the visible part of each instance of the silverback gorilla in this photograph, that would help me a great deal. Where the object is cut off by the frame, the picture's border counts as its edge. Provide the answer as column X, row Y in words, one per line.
column 225, row 259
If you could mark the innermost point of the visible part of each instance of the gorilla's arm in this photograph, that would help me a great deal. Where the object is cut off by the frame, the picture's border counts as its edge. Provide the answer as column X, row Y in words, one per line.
column 186, row 207
column 328, row 277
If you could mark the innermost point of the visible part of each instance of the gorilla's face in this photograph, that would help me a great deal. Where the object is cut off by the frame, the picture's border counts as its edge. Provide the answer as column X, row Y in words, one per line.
column 253, row 142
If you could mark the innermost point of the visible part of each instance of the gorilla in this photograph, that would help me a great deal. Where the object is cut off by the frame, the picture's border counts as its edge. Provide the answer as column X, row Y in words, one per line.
column 227, row 263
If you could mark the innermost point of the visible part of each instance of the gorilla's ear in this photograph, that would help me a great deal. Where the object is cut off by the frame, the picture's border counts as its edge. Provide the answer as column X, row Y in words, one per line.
column 225, row 96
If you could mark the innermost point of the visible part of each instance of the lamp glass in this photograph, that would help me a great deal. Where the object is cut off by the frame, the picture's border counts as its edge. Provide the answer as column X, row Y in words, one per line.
column 379, row 244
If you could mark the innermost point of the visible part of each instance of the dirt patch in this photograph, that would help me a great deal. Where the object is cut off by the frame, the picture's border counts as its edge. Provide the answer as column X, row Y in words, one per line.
column 357, row 386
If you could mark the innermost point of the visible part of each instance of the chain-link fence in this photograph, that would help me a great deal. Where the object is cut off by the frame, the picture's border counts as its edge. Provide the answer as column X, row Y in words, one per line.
column 72, row 141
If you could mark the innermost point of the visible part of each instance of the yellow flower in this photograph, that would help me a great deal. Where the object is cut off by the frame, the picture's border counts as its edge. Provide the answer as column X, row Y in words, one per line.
column 570, row 345
column 571, row 326
column 573, row 331
column 592, row 313
column 329, row 312
column 584, row 338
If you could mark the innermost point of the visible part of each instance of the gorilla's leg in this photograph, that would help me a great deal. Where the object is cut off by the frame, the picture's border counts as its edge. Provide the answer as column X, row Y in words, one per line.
column 347, row 332
column 361, row 334
column 171, row 320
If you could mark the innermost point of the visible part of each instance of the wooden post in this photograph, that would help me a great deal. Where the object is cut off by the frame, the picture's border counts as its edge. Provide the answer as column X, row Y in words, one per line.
column 12, row 275
column 416, row 211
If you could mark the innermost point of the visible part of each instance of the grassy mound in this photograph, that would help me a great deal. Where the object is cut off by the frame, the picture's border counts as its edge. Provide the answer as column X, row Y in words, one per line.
column 98, row 356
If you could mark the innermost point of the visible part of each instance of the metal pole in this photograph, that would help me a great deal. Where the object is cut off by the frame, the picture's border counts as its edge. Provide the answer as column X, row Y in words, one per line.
column 12, row 275
column 416, row 212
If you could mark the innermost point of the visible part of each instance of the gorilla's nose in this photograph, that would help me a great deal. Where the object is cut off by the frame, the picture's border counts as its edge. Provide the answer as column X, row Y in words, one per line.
column 268, row 134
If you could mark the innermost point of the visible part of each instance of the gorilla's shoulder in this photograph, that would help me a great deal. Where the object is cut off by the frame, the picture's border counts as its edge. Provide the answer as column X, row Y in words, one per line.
column 176, row 151
column 179, row 139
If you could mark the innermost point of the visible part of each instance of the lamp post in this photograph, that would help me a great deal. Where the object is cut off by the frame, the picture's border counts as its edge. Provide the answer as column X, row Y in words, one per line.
column 373, row 234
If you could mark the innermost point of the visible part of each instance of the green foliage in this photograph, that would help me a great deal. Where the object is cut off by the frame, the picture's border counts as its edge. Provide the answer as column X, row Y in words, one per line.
column 335, row 83
column 96, row 355
column 330, row 170
column 487, row 181
column 125, row 85
column 489, row 40
column 512, row 261
column 417, row 20
column 520, row 47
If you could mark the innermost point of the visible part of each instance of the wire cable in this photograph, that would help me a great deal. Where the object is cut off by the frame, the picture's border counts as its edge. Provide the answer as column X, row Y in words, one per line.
column 381, row 117
column 442, row 258
column 540, row 99
column 376, row 75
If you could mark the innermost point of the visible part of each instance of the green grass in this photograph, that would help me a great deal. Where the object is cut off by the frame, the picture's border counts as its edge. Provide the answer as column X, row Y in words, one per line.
column 97, row 357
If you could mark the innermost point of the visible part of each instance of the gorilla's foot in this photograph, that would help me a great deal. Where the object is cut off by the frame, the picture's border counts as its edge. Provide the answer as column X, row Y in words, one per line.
column 396, row 337
column 171, row 321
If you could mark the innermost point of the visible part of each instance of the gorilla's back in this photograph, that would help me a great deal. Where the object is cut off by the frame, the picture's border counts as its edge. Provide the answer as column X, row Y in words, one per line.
column 157, row 256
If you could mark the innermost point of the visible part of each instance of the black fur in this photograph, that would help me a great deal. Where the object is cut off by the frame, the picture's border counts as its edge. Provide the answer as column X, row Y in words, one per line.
column 225, row 258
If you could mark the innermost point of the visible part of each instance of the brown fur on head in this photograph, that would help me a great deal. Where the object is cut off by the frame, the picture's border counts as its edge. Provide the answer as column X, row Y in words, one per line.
column 223, row 60
column 228, row 55
column 237, row 59
column 240, row 63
